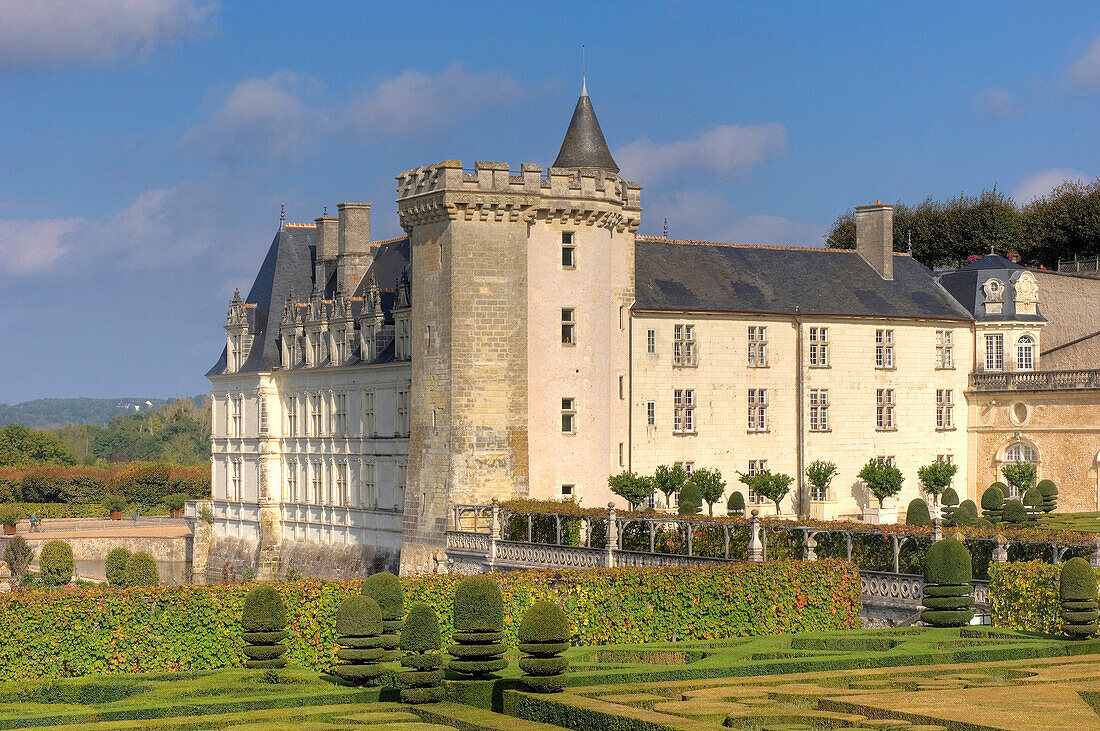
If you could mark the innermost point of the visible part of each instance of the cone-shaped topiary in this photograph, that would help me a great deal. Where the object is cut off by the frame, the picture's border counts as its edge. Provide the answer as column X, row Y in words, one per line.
column 1033, row 503
column 420, row 641
column 949, row 501
column 544, row 634
column 141, row 570
column 385, row 588
column 264, row 623
column 359, row 626
column 115, row 566
column 1014, row 512
column 993, row 503
column 736, row 504
column 479, row 627
column 1077, row 590
column 690, row 500
column 917, row 513
column 966, row 513
column 947, row 591
column 1050, row 495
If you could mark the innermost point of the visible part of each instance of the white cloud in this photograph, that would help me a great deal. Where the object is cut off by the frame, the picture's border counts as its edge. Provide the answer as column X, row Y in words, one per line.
column 996, row 102
column 30, row 246
column 725, row 150
column 1038, row 185
column 414, row 101
column 1085, row 73
column 50, row 33
column 704, row 216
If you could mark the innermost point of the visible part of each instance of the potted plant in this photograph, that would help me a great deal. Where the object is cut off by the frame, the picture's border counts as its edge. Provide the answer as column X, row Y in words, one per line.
column 175, row 503
column 115, row 504
column 884, row 481
column 10, row 515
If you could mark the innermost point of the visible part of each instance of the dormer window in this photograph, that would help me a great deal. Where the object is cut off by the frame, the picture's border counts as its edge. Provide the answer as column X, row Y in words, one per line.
column 341, row 347
column 234, row 353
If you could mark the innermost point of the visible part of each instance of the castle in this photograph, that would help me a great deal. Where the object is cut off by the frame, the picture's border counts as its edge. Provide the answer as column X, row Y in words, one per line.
column 522, row 340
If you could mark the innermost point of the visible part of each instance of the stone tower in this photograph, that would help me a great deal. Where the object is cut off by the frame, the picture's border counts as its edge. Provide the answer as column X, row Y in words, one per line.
column 522, row 287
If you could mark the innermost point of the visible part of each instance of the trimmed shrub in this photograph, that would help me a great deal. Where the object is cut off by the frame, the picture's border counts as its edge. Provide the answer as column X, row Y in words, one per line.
column 141, row 570
column 114, row 503
column 736, row 504
column 1049, row 492
column 1077, row 592
column 917, row 513
column 264, row 622
column 420, row 643
column 1033, row 503
column 18, row 555
column 544, row 634
column 175, row 501
column 479, row 627
column 385, row 588
column 947, row 575
column 1014, row 512
column 949, row 501
column 115, row 566
column 360, row 627
column 11, row 514
column 984, row 523
column 56, row 562
column 966, row 513
column 993, row 503
column 1002, row 487
column 691, row 500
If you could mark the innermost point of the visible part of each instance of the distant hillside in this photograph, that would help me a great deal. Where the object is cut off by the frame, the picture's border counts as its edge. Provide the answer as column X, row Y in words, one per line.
column 53, row 412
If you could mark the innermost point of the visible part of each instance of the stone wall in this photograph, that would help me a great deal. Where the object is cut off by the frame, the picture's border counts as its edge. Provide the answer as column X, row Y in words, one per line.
column 172, row 553
column 230, row 559
column 1071, row 337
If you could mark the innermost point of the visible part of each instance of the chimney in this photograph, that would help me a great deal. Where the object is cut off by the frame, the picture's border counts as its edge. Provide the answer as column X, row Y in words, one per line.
column 354, row 228
column 327, row 237
column 875, row 237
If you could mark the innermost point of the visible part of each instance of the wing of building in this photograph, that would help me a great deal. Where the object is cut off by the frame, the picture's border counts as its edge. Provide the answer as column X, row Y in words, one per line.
column 522, row 341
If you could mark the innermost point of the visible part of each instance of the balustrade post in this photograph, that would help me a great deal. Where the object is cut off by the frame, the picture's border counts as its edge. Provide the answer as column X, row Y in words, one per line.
column 756, row 548
column 557, row 528
column 897, row 554
column 1000, row 553
column 848, row 536
column 652, row 537
column 494, row 530
column 1055, row 554
column 588, row 532
column 1094, row 559
column 809, row 547
column 726, row 530
column 612, row 536
column 530, row 528
column 937, row 530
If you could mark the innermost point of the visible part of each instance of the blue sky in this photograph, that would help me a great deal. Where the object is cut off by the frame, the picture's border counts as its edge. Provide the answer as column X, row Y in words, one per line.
column 146, row 149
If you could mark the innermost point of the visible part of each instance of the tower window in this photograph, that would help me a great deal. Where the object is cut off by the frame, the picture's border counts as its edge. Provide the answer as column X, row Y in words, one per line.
column 567, row 238
column 568, row 416
column 651, row 341
column 568, row 257
column 568, row 326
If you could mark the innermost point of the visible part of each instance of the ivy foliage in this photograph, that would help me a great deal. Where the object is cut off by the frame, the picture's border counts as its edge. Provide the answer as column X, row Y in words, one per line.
column 1025, row 595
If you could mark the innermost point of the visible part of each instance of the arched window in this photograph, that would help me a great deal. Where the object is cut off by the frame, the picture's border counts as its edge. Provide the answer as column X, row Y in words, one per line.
column 1025, row 354
column 1020, row 452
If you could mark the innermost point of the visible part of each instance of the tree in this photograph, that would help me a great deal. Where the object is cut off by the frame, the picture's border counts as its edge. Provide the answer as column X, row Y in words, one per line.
column 691, row 500
column 18, row 554
column 1021, row 475
column 773, row 487
column 669, row 480
column 21, row 446
column 711, row 486
column 820, row 473
column 881, row 478
column 936, row 477
column 635, row 489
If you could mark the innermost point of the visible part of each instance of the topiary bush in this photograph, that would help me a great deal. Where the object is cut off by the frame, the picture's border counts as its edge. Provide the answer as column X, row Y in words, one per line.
column 55, row 562
column 544, row 635
column 141, row 570
column 18, row 555
column 1077, row 591
column 948, row 598
column 115, row 566
column 1014, row 512
column 479, row 627
column 917, row 513
column 690, row 500
column 949, row 501
column 360, row 627
column 264, row 622
column 993, row 503
column 966, row 513
column 385, row 588
column 1033, row 503
column 736, row 504
column 1049, row 492
column 420, row 642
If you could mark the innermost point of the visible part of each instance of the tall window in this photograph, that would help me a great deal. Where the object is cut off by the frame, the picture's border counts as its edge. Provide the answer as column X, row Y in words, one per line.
column 316, row 478
column 262, row 414
column 819, row 347
column 884, row 408
column 819, row 409
column 404, row 352
column 944, row 357
column 884, row 348
column 683, row 345
column 317, row 416
column 235, row 480
column 758, row 346
column 340, row 341
column 651, row 341
column 944, row 406
column 756, row 466
column 994, row 352
column 568, row 251
column 315, row 341
column 292, row 480
column 341, row 414
column 403, row 412
column 1025, row 354
column 651, row 413
column 402, row 475
column 238, row 406
column 568, row 326
column 341, row 484
column 370, row 498
column 758, row 409
column 234, row 352
column 568, row 416
column 368, row 413
column 292, row 416
column 683, row 402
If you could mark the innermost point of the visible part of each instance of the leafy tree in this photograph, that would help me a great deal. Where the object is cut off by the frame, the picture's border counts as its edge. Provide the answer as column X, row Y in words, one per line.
column 21, row 446
column 18, row 554
column 936, row 477
column 711, row 486
column 635, row 489
column 1021, row 475
column 177, row 432
column 691, row 500
column 669, row 480
column 773, row 487
column 881, row 478
column 820, row 473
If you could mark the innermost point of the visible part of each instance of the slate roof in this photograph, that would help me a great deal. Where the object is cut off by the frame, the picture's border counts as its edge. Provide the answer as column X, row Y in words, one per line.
column 965, row 285
column 584, row 146
column 673, row 275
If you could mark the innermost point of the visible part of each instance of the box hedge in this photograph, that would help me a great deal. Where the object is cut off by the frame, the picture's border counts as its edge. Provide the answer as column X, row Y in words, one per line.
column 115, row 566
column 263, row 619
column 1025, row 595
column 544, row 634
column 420, row 643
column 479, row 624
column 993, row 503
column 141, row 570
column 947, row 575
column 1077, row 591
column 917, row 513
column 1049, row 491
column 55, row 562
column 385, row 588
column 359, row 624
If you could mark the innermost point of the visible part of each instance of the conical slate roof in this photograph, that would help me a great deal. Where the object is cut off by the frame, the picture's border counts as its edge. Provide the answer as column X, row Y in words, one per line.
column 584, row 146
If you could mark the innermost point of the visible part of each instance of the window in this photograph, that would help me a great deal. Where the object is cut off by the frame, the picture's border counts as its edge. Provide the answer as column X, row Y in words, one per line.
column 994, row 352
column 402, row 478
column 292, row 481
column 1020, row 452
column 949, row 459
column 234, row 352
column 758, row 347
column 263, row 415
column 567, row 238
column 567, row 490
column 368, row 413
column 238, row 406
column 568, row 326
column 683, row 401
column 404, row 352
column 315, row 341
column 568, row 416
column 884, row 348
column 341, row 347
column 315, row 475
column 341, row 414
column 1025, row 354
column 819, row 347
column 819, row 409
column 756, row 466
column 428, row 338
column 758, row 409
column 235, row 480
column 944, row 417
column 944, row 357
column 317, row 415
column 341, row 484
column 292, row 416
column 403, row 412
column 369, row 497
column 568, row 257
column 621, row 379
column 621, row 455
column 683, row 345
column 687, row 467
column 884, row 409
column 651, row 341
column 651, row 413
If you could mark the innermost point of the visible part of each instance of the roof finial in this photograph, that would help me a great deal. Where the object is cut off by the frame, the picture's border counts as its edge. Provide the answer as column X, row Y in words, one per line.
column 324, row 211
column 991, row 252
column 666, row 227
column 282, row 216
column 584, row 74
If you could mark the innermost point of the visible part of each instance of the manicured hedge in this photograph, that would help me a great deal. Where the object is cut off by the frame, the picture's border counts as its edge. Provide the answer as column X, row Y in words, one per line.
column 143, row 483
column 102, row 630
column 1024, row 596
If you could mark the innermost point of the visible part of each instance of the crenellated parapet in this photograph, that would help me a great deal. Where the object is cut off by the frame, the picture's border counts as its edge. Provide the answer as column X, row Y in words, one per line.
column 444, row 191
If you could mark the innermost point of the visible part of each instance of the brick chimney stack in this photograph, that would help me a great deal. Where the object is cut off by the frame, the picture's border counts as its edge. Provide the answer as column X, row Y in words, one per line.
column 875, row 237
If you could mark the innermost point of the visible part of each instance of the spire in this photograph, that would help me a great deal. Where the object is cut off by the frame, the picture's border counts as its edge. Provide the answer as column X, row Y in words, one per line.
column 584, row 146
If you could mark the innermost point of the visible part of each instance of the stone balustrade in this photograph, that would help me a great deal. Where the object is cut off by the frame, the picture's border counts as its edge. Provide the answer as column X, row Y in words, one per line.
column 1036, row 380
